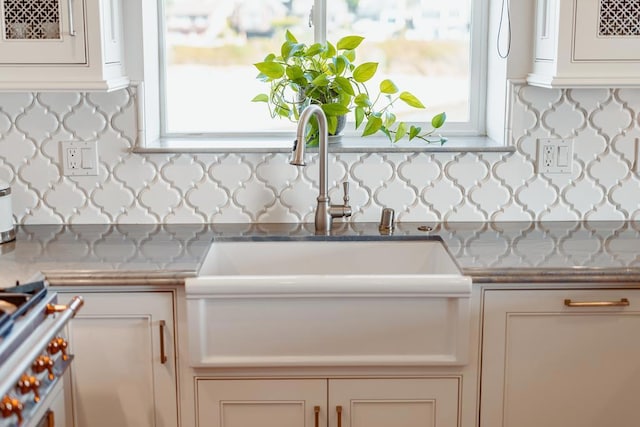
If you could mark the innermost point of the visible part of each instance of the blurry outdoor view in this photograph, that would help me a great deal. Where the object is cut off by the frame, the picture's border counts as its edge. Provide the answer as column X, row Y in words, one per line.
column 422, row 45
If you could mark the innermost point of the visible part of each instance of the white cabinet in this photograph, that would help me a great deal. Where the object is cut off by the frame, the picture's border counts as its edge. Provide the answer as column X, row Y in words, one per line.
column 586, row 43
column 124, row 371
column 61, row 45
column 560, row 358
column 406, row 402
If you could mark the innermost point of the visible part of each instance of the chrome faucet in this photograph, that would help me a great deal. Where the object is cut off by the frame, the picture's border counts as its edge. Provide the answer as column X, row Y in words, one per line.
column 325, row 211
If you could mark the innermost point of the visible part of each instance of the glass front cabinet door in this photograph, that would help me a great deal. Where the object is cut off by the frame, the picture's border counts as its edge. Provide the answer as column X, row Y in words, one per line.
column 61, row 44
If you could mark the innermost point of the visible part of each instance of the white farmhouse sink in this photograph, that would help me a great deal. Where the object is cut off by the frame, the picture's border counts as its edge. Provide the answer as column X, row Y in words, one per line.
column 328, row 258
column 328, row 303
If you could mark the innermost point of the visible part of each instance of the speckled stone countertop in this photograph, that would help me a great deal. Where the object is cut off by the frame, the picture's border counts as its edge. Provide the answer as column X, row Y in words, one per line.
column 166, row 254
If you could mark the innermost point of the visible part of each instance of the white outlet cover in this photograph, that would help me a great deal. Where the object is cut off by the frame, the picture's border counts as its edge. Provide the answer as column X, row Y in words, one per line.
column 550, row 148
column 88, row 152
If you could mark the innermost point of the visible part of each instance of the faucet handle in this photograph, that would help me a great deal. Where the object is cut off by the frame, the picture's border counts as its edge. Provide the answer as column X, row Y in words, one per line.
column 340, row 211
column 345, row 186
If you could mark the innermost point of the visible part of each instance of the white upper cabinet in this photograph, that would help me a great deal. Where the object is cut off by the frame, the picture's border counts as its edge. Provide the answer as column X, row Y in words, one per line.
column 586, row 43
column 61, row 45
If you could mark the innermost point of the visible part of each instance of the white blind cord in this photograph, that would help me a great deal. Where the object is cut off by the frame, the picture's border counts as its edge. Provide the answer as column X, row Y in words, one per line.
column 505, row 7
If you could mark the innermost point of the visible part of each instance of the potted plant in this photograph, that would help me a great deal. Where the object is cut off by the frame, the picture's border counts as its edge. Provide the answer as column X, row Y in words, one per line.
column 327, row 75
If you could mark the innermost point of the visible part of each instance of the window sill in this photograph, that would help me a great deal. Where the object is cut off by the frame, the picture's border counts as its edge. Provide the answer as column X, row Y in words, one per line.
column 348, row 144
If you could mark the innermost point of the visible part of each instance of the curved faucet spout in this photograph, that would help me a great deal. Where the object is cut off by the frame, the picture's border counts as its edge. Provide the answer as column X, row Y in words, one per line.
column 323, row 138
column 324, row 212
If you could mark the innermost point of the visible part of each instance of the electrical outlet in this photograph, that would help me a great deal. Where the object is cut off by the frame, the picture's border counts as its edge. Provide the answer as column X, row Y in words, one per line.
column 73, row 158
column 548, row 159
column 79, row 158
column 555, row 156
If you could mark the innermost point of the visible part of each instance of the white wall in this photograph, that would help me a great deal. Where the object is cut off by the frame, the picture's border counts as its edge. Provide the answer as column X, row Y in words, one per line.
column 196, row 188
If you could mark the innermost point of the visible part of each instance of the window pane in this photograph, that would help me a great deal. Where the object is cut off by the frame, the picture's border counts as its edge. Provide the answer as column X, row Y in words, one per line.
column 421, row 45
column 210, row 46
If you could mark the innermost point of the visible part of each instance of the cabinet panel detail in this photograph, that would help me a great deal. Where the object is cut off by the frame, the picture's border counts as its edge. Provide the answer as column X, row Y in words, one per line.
column 548, row 364
column 265, row 403
column 31, row 19
column 118, row 377
column 419, row 402
column 619, row 18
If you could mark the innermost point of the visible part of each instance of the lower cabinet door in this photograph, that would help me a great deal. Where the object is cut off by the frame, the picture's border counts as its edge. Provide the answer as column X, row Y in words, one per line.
column 561, row 358
column 421, row 402
column 261, row 403
column 123, row 373
column 406, row 402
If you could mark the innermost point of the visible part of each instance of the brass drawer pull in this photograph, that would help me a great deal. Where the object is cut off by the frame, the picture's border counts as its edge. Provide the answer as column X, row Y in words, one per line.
column 163, row 354
column 316, row 410
column 624, row 302
column 339, row 413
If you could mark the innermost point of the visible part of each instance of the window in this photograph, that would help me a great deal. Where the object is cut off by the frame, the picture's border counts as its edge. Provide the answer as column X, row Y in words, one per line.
column 428, row 47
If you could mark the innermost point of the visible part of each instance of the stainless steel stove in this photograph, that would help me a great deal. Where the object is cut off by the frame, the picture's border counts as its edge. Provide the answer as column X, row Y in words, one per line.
column 33, row 354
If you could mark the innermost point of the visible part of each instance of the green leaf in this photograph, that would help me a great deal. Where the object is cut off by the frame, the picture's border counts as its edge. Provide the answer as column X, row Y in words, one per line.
column 321, row 80
column 290, row 37
column 362, row 100
column 389, row 119
column 345, row 85
column 438, row 120
column 364, row 72
column 350, row 55
column 411, row 100
column 273, row 70
column 293, row 50
column 285, row 49
column 350, row 42
column 314, row 49
column 414, row 131
column 334, row 109
column 260, row 98
column 340, row 62
column 359, row 116
column 373, row 125
column 270, row 57
column 282, row 110
column 400, row 132
column 330, row 51
column 386, row 132
column 294, row 72
column 332, row 124
column 387, row 86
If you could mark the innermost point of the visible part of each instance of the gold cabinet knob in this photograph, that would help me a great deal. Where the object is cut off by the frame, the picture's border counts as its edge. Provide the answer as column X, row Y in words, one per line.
column 43, row 363
column 58, row 345
column 28, row 384
column 10, row 406
column 55, row 308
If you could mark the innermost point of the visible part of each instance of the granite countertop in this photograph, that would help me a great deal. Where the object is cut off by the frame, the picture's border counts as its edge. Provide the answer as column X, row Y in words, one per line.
column 166, row 254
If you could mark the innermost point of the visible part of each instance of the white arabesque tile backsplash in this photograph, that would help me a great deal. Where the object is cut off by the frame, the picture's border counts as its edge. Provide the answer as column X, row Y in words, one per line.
column 204, row 188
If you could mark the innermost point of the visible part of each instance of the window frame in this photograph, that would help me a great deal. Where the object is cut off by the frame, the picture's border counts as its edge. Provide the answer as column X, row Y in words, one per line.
column 474, row 127
column 502, row 75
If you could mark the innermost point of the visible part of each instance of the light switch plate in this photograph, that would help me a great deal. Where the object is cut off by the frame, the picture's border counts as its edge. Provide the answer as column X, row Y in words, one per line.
column 555, row 156
column 79, row 158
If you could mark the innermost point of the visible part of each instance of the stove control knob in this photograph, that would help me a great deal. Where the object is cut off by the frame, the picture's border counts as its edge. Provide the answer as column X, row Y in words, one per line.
column 43, row 363
column 9, row 407
column 58, row 345
column 29, row 383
